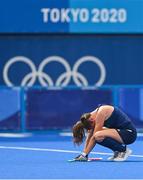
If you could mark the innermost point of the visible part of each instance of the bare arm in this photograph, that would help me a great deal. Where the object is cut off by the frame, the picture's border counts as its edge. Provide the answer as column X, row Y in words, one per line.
column 100, row 118
column 89, row 135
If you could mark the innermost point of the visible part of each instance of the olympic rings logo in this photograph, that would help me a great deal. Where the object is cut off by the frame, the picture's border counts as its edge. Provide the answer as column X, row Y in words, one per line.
column 63, row 80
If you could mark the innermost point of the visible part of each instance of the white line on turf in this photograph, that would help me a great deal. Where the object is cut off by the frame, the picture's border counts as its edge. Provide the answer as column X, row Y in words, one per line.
column 56, row 150
column 70, row 134
column 15, row 135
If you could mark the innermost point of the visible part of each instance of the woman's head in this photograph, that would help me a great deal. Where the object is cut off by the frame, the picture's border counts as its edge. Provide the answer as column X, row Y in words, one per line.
column 85, row 120
column 79, row 128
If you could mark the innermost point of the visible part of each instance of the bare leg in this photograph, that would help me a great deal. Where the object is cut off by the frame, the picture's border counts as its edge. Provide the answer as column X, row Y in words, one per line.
column 99, row 137
column 112, row 133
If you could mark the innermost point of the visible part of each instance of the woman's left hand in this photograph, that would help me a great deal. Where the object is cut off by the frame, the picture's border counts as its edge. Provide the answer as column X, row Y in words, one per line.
column 81, row 158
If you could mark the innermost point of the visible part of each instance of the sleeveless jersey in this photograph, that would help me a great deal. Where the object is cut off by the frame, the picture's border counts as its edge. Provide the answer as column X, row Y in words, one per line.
column 118, row 119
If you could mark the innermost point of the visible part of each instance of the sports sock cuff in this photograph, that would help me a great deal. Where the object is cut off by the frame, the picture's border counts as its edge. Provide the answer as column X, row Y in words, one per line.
column 83, row 154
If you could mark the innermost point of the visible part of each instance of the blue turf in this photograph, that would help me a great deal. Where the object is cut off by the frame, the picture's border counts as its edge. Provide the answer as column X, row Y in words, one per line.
column 28, row 164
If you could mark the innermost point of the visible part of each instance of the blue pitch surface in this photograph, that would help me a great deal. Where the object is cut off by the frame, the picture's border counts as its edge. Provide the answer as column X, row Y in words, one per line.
column 46, row 155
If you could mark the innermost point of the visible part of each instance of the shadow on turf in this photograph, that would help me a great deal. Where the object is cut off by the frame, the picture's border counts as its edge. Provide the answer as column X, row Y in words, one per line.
column 104, row 160
column 128, row 161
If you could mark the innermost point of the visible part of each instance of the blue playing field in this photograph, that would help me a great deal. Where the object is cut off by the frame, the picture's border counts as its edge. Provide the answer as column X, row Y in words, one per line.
column 46, row 155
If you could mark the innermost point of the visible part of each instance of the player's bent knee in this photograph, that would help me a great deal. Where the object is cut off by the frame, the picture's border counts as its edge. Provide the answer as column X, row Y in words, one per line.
column 98, row 136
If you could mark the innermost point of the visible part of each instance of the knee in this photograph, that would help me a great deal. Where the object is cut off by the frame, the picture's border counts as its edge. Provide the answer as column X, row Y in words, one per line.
column 98, row 136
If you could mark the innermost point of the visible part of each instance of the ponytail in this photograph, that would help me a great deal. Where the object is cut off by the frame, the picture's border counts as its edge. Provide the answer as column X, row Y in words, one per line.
column 78, row 133
column 80, row 127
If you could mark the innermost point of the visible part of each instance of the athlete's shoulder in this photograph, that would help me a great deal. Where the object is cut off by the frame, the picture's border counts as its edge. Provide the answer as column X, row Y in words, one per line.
column 106, row 107
column 106, row 110
column 103, row 108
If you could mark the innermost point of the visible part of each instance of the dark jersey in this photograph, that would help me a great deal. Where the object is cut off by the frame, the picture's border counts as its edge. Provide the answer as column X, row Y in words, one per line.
column 118, row 120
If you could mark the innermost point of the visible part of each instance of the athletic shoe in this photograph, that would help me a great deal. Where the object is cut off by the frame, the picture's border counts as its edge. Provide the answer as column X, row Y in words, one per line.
column 122, row 156
column 114, row 156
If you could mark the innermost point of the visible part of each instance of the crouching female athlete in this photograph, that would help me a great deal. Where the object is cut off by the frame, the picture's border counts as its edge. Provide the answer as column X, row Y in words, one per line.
column 108, row 126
